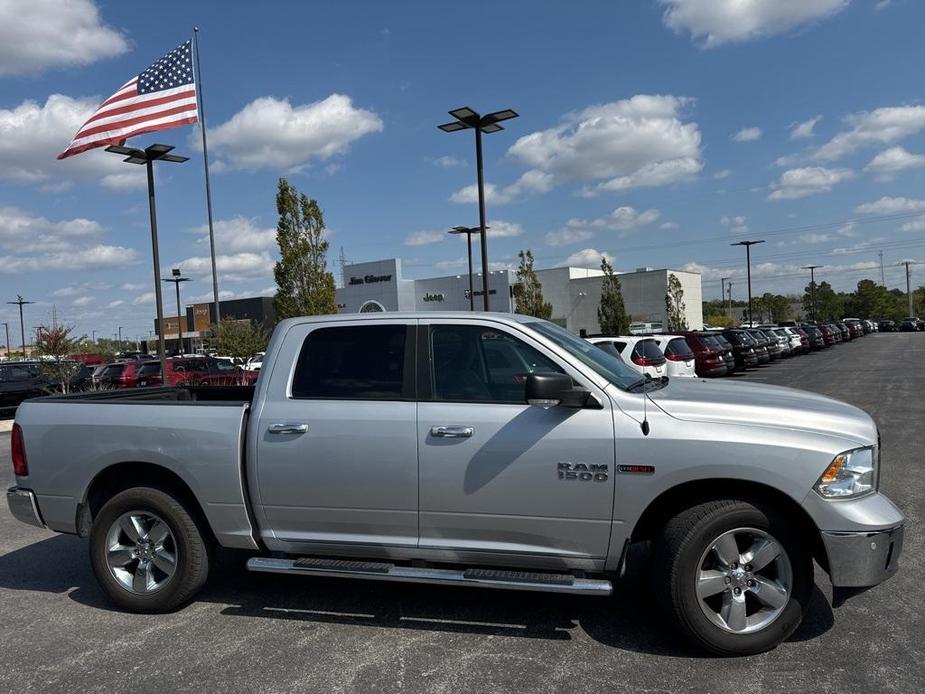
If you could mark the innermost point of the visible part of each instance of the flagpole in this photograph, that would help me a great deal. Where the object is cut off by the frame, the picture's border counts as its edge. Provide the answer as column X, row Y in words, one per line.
column 205, row 161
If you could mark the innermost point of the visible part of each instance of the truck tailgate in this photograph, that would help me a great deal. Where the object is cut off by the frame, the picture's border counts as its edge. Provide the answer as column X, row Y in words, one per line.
column 68, row 443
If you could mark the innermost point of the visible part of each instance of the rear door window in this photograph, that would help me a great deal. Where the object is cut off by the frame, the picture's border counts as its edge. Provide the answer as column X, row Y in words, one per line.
column 649, row 350
column 365, row 362
column 679, row 348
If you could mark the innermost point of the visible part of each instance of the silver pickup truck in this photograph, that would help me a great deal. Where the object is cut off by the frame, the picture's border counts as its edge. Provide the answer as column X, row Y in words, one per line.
column 469, row 449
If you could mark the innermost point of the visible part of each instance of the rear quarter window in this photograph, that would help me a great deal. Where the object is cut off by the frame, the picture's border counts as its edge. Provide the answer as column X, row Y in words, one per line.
column 678, row 347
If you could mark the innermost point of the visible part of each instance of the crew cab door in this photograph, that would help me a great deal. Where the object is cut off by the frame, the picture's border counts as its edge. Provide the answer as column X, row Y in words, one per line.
column 336, row 449
column 496, row 473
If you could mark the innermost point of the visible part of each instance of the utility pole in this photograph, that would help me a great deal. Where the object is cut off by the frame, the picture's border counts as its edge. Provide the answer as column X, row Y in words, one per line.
column 342, row 262
column 22, row 326
column 9, row 355
column 722, row 288
column 748, row 262
column 812, row 287
column 882, row 280
column 729, row 302
column 908, row 287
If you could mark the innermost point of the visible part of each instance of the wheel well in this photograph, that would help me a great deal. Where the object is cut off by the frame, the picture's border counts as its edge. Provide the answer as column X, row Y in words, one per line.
column 121, row 476
column 676, row 499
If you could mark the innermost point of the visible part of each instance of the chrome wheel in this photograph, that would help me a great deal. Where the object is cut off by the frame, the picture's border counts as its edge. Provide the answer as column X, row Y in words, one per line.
column 744, row 580
column 141, row 552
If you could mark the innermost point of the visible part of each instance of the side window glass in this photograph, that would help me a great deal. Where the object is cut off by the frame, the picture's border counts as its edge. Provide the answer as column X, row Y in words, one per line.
column 477, row 364
column 364, row 362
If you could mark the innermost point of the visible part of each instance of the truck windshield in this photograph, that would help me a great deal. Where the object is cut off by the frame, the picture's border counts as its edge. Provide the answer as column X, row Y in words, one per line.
column 607, row 365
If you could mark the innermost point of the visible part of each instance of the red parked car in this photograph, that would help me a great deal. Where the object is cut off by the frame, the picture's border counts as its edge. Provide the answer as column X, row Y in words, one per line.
column 120, row 374
column 709, row 356
column 198, row 371
column 827, row 336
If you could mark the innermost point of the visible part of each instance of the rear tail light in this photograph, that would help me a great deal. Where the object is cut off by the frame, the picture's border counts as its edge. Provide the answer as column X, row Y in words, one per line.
column 18, row 453
column 647, row 361
column 679, row 357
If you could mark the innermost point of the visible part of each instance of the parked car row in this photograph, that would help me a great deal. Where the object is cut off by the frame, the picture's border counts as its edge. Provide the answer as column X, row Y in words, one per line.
column 200, row 370
column 723, row 352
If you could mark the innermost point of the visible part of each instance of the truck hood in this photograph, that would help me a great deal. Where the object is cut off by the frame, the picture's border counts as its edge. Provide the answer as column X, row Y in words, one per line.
column 758, row 404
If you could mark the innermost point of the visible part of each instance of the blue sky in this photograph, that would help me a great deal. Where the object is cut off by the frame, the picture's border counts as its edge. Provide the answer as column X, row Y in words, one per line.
column 656, row 132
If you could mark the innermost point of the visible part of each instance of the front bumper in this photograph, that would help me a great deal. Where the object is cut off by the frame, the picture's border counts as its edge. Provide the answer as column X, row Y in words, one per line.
column 863, row 559
column 24, row 506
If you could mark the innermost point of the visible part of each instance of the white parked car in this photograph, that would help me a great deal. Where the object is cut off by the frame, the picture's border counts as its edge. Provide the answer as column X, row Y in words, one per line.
column 254, row 363
column 796, row 343
column 679, row 355
column 641, row 353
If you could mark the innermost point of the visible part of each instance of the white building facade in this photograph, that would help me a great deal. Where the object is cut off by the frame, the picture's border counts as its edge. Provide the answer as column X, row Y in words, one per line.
column 575, row 293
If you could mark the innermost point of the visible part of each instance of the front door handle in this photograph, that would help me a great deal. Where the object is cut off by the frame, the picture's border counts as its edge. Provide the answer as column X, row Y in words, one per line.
column 452, row 431
column 288, row 428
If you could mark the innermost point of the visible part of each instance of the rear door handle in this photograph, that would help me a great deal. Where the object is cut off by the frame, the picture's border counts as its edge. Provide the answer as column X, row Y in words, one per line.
column 452, row 431
column 288, row 428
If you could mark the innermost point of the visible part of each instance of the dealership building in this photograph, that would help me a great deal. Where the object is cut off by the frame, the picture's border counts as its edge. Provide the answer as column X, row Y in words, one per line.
column 575, row 293
column 197, row 320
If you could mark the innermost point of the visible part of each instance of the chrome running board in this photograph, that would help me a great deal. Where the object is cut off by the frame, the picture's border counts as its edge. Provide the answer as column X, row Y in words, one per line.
column 481, row 578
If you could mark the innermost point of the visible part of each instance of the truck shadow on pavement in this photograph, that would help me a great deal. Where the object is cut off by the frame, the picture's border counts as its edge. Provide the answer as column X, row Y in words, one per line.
column 629, row 621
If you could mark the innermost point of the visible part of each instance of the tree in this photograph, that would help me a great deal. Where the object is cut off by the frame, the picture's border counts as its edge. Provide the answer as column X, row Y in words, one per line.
column 304, row 285
column 872, row 300
column 829, row 305
column 239, row 339
column 674, row 305
column 773, row 307
column 52, row 346
column 611, row 314
column 528, row 292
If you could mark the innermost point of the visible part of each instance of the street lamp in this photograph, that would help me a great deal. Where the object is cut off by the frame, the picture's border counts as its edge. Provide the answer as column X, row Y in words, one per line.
column 9, row 354
column 748, row 261
column 469, row 231
column 176, row 279
column 812, row 286
column 22, row 326
column 147, row 157
column 467, row 118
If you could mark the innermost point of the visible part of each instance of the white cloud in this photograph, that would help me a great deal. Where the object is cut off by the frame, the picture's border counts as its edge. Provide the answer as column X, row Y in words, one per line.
column 424, row 238
column 588, row 257
column 238, row 234
column 83, row 301
column 640, row 141
column 736, row 224
column 715, row 22
column 234, row 267
column 877, row 127
column 82, row 258
column 272, row 133
column 914, row 225
column 115, row 304
column 724, row 173
column 891, row 161
column 748, row 135
column 133, row 286
column 567, row 236
column 882, row 5
column 800, row 131
column 146, row 298
column 887, row 206
column 23, row 232
column 40, row 34
column 799, row 183
column 529, row 183
column 448, row 162
column 668, row 225
column 501, row 229
column 34, row 134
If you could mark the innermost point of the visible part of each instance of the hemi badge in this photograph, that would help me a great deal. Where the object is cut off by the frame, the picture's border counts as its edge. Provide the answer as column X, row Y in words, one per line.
column 637, row 469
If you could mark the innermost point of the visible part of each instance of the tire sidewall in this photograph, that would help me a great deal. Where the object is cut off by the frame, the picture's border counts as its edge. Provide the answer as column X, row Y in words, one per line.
column 189, row 544
column 688, row 564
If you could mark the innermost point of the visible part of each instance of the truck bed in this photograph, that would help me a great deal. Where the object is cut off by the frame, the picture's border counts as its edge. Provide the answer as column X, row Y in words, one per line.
column 197, row 433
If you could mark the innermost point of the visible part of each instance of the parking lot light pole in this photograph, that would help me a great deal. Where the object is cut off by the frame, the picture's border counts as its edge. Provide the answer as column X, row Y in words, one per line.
column 468, row 118
column 147, row 157
column 22, row 326
column 9, row 354
column 469, row 231
column 748, row 263
column 176, row 279
column 812, row 287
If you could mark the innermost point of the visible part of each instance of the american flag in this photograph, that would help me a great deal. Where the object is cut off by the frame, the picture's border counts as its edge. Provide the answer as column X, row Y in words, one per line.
column 162, row 97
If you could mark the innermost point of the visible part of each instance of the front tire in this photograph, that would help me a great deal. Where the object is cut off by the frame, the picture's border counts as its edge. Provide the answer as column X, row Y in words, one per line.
column 733, row 576
column 147, row 551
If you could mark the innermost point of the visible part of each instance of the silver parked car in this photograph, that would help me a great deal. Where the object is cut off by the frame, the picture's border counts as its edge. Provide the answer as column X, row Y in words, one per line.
column 485, row 450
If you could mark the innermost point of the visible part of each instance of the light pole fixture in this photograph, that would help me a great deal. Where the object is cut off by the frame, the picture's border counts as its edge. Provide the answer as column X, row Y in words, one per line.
column 22, row 326
column 148, row 156
column 176, row 278
column 9, row 354
column 748, row 263
column 812, row 287
column 468, row 118
column 469, row 231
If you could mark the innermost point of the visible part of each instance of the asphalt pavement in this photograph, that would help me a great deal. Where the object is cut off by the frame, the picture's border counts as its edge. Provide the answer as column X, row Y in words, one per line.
column 249, row 632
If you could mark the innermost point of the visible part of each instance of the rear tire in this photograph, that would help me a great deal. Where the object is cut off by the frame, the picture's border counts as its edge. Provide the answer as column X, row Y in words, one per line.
column 733, row 576
column 147, row 550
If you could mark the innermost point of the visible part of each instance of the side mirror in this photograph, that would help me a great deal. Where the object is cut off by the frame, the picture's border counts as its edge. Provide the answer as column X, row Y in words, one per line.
column 552, row 389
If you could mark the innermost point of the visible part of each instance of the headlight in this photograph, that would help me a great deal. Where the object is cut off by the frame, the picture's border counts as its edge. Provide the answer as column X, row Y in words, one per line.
column 852, row 473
